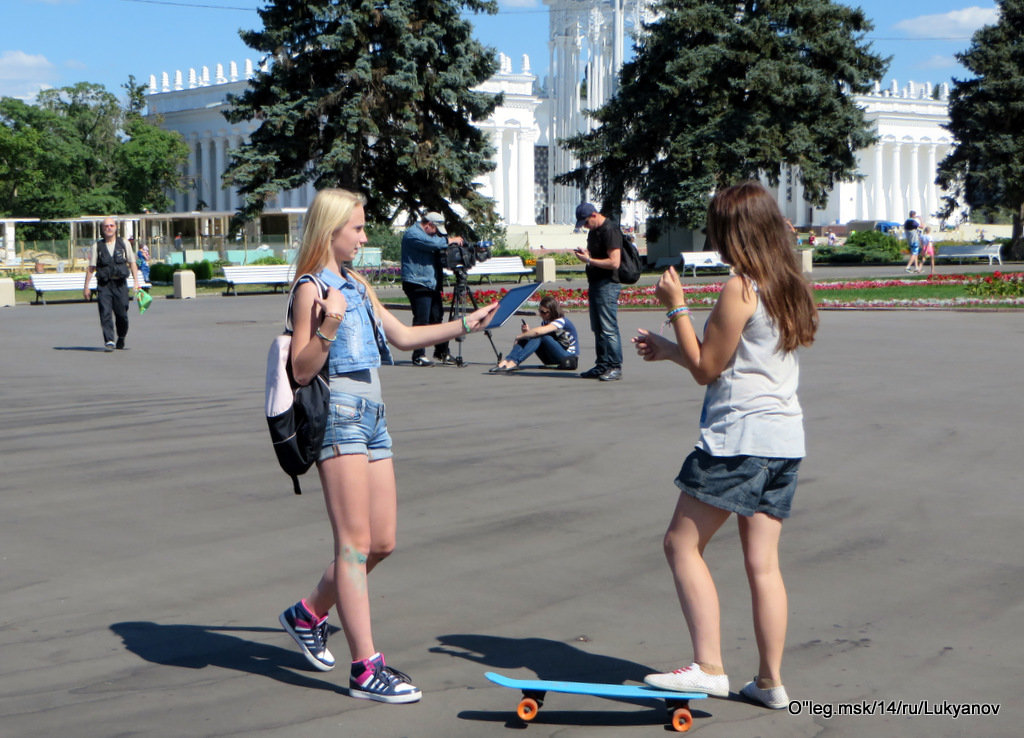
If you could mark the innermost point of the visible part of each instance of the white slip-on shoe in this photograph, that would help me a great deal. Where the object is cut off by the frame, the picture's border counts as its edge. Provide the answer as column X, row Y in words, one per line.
column 691, row 679
column 775, row 697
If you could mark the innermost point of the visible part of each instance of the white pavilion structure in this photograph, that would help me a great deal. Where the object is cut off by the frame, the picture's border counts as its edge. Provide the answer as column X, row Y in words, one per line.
column 587, row 46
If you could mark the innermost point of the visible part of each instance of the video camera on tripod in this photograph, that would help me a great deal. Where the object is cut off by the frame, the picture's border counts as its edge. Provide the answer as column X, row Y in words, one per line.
column 460, row 257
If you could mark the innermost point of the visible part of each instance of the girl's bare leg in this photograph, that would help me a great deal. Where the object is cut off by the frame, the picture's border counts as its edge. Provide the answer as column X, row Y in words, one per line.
column 361, row 504
column 693, row 524
column 383, row 534
column 759, row 534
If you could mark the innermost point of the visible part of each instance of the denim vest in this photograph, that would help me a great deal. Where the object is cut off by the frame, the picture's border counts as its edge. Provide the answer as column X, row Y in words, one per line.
column 361, row 343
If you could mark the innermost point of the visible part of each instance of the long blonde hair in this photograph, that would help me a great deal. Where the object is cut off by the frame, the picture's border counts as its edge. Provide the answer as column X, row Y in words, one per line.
column 330, row 210
column 746, row 227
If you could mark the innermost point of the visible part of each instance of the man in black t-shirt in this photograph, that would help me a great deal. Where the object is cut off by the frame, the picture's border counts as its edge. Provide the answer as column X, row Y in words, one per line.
column 602, row 257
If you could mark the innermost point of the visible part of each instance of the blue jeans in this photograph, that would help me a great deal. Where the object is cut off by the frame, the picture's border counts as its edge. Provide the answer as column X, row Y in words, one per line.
column 427, row 308
column 604, row 322
column 548, row 350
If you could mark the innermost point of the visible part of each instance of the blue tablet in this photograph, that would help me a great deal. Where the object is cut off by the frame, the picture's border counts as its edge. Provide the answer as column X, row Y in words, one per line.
column 512, row 301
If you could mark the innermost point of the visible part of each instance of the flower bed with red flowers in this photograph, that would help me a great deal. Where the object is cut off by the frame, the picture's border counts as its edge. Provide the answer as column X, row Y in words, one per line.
column 947, row 291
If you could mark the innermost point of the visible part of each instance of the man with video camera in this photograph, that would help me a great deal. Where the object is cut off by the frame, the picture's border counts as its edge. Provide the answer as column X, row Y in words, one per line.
column 422, row 278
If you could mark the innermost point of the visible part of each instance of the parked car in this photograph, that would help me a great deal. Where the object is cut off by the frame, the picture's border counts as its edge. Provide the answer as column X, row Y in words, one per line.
column 883, row 226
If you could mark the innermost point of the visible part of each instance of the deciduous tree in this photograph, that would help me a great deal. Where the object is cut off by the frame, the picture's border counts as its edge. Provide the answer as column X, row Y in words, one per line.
column 77, row 151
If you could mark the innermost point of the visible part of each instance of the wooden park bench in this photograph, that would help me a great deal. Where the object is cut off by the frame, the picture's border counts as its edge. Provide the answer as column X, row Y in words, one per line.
column 275, row 275
column 497, row 265
column 701, row 260
column 67, row 281
column 991, row 251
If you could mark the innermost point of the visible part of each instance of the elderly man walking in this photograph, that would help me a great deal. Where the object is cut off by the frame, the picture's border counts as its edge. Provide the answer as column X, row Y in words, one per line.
column 111, row 259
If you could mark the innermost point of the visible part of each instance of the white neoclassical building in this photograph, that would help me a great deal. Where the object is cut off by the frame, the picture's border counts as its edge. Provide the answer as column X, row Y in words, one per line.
column 586, row 45
column 898, row 171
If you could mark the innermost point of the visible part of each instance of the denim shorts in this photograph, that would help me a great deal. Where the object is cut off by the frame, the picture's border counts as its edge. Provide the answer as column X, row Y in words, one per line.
column 356, row 426
column 741, row 484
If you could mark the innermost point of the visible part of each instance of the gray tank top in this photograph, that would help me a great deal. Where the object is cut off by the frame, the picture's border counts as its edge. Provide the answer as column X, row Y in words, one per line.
column 752, row 408
column 363, row 383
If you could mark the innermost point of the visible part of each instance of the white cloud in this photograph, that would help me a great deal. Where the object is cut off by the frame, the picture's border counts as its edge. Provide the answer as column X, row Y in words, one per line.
column 23, row 75
column 954, row 24
column 938, row 61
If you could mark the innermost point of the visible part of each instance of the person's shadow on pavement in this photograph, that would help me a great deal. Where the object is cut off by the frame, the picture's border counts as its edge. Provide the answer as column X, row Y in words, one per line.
column 201, row 646
column 548, row 659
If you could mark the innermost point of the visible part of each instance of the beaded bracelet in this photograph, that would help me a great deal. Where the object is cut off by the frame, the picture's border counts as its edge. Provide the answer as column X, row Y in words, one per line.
column 337, row 316
column 465, row 325
column 321, row 335
column 672, row 315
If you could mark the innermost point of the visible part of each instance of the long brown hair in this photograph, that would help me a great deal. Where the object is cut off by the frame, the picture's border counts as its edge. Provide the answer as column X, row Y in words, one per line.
column 550, row 304
column 329, row 211
column 746, row 227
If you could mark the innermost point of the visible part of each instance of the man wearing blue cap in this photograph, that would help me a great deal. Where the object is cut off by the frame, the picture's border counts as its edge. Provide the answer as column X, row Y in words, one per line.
column 602, row 257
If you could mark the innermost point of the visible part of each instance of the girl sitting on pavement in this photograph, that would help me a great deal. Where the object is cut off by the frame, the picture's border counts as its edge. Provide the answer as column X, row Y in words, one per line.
column 751, row 432
column 555, row 340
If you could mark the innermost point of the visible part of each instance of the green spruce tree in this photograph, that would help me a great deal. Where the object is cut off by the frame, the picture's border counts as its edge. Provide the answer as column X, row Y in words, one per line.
column 720, row 91
column 372, row 96
column 986, row 115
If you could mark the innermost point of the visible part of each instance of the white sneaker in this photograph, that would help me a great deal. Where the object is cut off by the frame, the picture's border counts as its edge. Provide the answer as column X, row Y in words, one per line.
column 691, row 679
column 775, row 697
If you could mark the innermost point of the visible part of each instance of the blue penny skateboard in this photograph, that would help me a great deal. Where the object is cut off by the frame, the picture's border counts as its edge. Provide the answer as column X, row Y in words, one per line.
column 534, row 691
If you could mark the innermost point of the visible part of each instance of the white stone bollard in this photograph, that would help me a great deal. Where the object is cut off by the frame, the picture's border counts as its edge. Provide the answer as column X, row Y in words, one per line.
column 806, row 257
column 7, row 292
column 545, row 271
column 184, row 284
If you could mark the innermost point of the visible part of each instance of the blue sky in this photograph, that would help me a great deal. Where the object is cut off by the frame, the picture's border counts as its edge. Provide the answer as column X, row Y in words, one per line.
column 55, row 43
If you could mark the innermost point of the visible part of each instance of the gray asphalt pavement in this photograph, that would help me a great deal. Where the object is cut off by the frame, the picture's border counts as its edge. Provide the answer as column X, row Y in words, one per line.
column 148, row 540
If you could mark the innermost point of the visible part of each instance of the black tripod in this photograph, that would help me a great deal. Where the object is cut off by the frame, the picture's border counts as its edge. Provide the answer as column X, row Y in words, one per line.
column 461, row 299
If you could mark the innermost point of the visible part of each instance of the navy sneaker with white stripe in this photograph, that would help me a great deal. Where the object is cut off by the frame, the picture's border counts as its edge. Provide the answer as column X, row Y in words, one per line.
column 310, row 633
column 372, row 679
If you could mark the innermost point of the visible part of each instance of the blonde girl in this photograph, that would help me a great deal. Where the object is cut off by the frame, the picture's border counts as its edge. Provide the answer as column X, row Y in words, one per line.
column 353, row 332
column 751, row 432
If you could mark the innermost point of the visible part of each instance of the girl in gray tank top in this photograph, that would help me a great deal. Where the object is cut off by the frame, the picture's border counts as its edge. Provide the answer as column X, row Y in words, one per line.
column 751, row 438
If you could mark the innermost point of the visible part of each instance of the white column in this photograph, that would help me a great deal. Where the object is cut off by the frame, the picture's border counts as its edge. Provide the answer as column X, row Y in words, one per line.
column 915, row 201
column 799, row 206
column 932, row 190
column 220, row 195
column 498, row 176
column 527, row 210
column 897, row 210
column 511, row 189
column 878, row 183
column 206, row 176
column 192, row 193
column 234, row 199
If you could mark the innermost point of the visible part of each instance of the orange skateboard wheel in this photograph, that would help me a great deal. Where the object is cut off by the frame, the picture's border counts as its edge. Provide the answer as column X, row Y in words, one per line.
column 682, row 720
column 527, row 709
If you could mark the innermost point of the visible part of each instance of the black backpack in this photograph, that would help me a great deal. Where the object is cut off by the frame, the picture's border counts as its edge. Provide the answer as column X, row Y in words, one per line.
column 910, row 224
column 629, row 261
column 296, row 414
